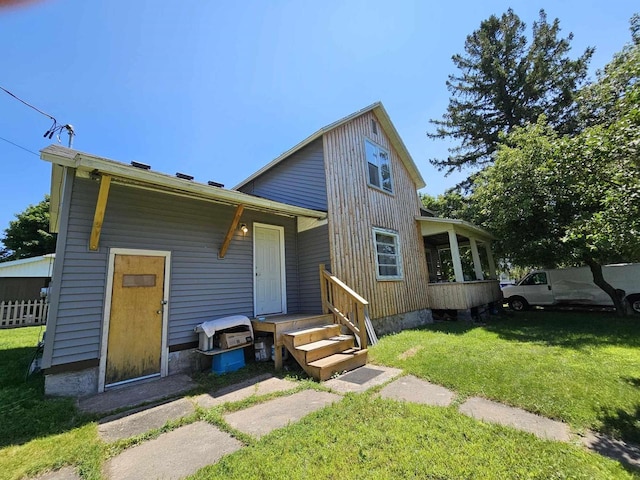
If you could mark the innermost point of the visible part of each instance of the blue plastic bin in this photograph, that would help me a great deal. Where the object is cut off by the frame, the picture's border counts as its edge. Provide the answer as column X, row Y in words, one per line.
column 228, row 361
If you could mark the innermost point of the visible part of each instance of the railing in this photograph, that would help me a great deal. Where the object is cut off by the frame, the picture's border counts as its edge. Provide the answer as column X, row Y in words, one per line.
column 463, row 295
column 23, row 313
column 348, row 308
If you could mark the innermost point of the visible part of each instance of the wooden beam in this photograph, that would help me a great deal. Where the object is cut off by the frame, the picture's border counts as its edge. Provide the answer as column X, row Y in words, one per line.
column 98, row 216
column 232, row 228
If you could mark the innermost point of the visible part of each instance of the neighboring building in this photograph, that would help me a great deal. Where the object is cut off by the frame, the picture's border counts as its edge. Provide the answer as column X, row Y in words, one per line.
column 26, row 278
column 345, row 197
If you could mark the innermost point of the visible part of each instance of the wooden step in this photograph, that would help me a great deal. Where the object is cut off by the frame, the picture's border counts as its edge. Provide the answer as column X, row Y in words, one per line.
column 309, row 335
column 323, row 368
column 323, row 348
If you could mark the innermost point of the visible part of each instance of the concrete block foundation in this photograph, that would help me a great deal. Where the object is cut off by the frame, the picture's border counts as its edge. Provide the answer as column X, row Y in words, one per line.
column 402, row 321
column 72, row 384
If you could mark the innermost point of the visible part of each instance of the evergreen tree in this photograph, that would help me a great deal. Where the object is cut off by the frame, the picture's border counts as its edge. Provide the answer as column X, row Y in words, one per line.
column 28, row 235
column 505, row 81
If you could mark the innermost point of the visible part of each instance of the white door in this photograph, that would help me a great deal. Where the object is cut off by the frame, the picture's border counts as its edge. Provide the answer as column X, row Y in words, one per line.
column 269, row 285
column 537, row 289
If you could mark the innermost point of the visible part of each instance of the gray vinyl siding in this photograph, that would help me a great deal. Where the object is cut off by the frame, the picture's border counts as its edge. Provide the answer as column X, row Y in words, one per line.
column 297, row 180
column 202, row 287
column 313, row 248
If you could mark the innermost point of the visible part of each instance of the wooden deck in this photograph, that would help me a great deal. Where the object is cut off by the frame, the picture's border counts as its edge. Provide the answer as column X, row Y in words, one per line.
column 465, row 295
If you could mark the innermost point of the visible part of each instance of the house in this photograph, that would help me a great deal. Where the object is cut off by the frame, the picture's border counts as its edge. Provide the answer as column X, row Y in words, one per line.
column 144, row 257
column 25, row 279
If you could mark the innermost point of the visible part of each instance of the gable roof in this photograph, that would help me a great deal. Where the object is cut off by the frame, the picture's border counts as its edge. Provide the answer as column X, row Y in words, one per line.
column 386, row 124
column 88, row 164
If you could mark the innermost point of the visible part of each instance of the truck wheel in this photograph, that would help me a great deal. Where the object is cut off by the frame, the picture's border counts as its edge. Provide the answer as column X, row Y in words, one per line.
column 634, row 300
column 518, row 304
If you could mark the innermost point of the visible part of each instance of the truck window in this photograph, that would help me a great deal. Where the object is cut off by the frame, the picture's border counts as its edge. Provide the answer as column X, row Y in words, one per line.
column 538, row 278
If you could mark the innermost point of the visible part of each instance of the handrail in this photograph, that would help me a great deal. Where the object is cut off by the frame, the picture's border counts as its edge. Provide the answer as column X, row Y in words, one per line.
column 348, row 308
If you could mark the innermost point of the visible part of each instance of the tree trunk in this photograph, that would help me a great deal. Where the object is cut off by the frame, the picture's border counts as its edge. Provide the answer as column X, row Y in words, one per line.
column 622, row 306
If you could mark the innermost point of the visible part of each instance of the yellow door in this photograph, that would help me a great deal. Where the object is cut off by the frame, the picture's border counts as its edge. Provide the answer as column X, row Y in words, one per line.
column 135, row 321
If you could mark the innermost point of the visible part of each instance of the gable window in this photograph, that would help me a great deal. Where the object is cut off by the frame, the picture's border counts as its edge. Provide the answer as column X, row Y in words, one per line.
column 388, row 259
column 378, row 166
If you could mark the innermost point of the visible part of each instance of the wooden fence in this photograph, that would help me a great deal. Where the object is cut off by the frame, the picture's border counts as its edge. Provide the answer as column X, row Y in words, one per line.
column 23, row 313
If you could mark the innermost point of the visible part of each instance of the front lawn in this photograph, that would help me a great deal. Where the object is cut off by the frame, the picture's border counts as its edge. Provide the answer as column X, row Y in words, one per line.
column 359, row 437
column 367, row 437
column 582, row 368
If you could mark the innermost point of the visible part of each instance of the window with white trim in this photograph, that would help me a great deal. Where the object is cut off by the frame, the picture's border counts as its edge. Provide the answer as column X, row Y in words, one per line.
column 388, row 259
column 378, row 166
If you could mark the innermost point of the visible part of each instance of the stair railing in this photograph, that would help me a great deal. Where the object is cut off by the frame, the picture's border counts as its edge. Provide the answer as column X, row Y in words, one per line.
column 348, row 308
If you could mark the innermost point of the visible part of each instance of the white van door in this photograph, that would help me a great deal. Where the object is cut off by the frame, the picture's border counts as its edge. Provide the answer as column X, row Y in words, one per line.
column 536, row 289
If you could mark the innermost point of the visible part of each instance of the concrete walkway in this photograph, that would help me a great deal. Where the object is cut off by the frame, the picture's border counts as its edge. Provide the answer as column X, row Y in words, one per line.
column 181, row 452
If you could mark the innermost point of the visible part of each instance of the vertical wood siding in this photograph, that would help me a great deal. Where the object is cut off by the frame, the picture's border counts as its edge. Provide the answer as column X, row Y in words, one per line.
column 202, row 286
column 297, row 180
column 354, row 208
column 313, row 249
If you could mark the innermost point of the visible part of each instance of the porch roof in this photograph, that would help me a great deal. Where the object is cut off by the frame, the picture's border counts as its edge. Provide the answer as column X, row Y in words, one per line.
column 88, row 165
column 438, row 225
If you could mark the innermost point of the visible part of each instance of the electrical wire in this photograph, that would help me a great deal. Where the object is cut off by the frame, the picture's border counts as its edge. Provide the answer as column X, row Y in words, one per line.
column 19, row 146
column 28, row 104
column 55, row 128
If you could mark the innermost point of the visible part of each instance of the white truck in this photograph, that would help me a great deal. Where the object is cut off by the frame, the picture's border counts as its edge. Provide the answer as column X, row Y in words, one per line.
column 574, row 286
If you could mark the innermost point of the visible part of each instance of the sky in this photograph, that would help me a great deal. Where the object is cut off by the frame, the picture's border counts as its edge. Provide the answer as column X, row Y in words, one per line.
column 218, row 89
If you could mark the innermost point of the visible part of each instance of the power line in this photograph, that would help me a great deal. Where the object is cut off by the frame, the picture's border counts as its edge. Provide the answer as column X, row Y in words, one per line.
column 55, row 128
column 19, row 146
column 29, row 105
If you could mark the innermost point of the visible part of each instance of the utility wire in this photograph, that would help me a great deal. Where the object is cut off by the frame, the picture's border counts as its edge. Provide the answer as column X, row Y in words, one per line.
column 55, row 128
column 28, row 104
column 19, row 146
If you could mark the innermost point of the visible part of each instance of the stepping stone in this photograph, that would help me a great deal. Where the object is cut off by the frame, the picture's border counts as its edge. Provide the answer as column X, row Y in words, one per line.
column 173, row 455
column 65, row 473
column 493, row 412
column 613, row 448
column 262, row 385
column 137, row 394
column 279, row 412
column 129, row 425
column 362, row 378
column 412, row 389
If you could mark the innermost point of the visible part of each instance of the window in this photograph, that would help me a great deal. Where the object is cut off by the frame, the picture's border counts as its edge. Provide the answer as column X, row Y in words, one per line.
column 388, row 260
column 539, row 278
column 379, row 166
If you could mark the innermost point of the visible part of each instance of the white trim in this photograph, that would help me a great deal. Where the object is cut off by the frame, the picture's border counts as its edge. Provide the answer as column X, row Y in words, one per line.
column 85, row 163
column 305, row 224
column 443, row 225
column 283, row 271
column 164, row 351
column 366, row 161
column 396, row 236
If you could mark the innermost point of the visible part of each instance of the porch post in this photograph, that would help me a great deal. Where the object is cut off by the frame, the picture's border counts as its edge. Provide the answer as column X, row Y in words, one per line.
column 492, row 263
column 477, row 266
column 455, row 256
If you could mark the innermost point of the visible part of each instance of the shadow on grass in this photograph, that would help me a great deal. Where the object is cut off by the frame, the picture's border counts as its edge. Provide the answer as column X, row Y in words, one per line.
column 622, row 424
column 24, row 412
column 565, row 329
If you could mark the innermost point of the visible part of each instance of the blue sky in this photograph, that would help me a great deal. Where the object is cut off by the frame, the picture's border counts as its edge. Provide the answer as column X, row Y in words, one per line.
column 218, row 89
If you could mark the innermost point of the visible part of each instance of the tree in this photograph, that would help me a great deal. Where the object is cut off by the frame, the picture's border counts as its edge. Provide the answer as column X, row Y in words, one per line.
column 451, row 204
column 559, row 200
column 28, row 235
column 505, row 81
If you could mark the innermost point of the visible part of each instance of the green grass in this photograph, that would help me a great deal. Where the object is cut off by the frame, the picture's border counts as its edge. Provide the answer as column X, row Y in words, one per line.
column 361, row 436
column 577, row 367
column 38, row 433
column 367, row 437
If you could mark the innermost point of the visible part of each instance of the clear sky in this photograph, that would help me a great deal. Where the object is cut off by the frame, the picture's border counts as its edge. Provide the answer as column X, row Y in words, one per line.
column 217, row 89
